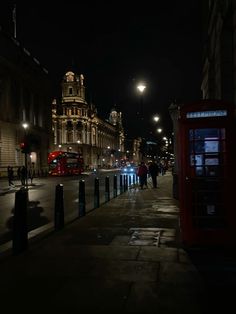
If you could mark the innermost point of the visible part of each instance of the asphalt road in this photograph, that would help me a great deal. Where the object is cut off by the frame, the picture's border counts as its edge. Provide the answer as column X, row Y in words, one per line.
column 42, row 199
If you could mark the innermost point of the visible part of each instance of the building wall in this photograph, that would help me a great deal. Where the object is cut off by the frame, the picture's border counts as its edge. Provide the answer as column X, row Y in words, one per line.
column 24, row 97
column 219, row 69
column 219, row 64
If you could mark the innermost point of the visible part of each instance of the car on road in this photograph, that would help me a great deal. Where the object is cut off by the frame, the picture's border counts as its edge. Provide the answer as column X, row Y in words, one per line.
column 129, row 169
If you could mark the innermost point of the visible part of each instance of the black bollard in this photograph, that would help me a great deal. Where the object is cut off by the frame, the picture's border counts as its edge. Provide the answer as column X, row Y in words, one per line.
column 115, row 186
column 20, row 228
column 121, row 184
column 133, row 179
column 125, row 182
column 129, row 180
column 82, row 205
column 107, row 190
column 96, row 193
column 59, row 207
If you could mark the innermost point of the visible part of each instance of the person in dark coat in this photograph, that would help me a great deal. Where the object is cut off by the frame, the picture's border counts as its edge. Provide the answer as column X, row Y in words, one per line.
column 23, row 175
column 10, row 175
column 19, row 173
column 153, row 171
column 142, row 174
column 31, row 175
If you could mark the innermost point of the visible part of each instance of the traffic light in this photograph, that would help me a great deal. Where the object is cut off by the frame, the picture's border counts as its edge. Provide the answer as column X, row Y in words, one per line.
column 25, row 147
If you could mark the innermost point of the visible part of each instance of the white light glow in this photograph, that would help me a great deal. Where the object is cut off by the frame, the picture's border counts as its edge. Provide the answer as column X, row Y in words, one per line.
column 141, row 88
column 25, row 125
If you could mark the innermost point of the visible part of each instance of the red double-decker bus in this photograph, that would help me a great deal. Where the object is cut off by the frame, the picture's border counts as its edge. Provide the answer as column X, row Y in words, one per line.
column 63, row 163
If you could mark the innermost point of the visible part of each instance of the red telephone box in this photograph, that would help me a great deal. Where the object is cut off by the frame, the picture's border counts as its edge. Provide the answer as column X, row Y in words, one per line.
column 207, row 182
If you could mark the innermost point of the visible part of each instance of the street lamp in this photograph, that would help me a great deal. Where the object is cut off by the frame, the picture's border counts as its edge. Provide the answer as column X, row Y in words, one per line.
column 141, row 87
column 156, row 118
column 79, row 147
column 25, row 126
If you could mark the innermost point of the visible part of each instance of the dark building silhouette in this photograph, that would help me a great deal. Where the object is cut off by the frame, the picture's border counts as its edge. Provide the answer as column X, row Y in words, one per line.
column 219, row 53
column 219, row 60
column 25, row 97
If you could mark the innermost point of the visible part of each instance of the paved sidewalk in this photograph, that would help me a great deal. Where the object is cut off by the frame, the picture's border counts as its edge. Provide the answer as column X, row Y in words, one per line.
column 124, row 257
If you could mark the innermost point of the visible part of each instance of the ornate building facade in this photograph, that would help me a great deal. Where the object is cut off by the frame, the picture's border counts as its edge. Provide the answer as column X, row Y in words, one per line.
column 77, row 127
column 25, row 97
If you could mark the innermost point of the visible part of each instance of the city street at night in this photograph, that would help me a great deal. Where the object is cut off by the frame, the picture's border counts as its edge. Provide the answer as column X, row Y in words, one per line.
column 117, row 154
column 42, row 199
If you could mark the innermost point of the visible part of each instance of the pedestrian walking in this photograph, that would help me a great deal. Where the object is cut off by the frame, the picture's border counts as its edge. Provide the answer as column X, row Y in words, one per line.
column 142, row 174
column 153, row 171
column 10, row 175
column 31, row 175
column 23, row 175
column 19, row 173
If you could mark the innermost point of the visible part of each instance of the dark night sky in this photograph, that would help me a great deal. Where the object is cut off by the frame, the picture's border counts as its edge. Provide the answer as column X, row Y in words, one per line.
column 115, row 44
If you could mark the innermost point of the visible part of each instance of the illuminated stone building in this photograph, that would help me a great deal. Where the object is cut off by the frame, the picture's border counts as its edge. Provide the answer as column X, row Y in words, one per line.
column 24, row 98
column 77, row 127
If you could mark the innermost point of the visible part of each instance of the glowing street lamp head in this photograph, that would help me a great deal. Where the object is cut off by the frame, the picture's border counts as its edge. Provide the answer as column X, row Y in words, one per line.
column 25, row 125
column 156, row 118
column 141, row 88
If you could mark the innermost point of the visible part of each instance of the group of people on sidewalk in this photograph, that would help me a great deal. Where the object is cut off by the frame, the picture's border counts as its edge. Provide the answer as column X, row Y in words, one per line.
column 152, row 169
column 21, row 175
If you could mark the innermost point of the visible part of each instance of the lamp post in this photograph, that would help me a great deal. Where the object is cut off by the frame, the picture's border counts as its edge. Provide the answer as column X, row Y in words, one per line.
column 141, row 87
column 25, row 126
column 109, row 156
column 79, row 142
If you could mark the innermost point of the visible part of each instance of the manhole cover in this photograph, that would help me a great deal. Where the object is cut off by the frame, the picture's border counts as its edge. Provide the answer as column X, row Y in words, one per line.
column 149, row 236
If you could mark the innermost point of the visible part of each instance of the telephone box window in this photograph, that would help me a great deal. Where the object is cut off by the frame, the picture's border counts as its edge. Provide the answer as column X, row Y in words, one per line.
column 206, row 152
column 206, row 148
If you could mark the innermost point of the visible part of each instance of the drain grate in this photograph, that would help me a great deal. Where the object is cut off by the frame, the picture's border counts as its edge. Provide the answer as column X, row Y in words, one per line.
column 145, row 236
